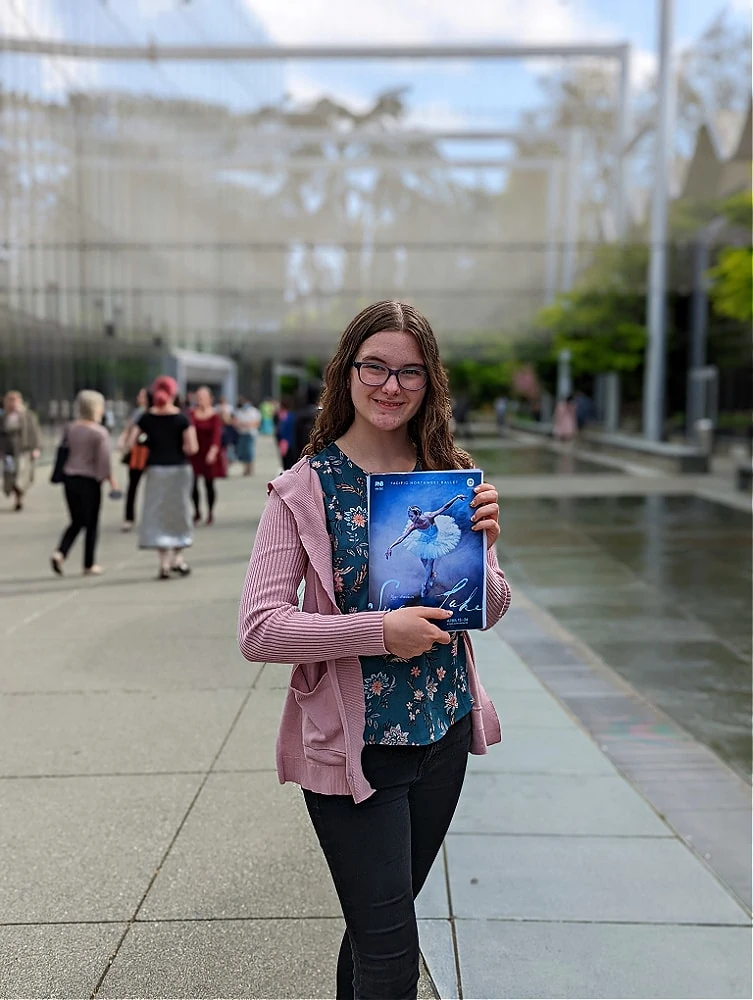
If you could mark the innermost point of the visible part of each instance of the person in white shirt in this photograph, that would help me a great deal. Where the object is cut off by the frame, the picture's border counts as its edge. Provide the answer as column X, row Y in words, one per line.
column 247, row 420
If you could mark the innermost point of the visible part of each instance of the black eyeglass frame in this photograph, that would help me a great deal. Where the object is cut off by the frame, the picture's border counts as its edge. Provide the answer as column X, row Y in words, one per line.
column 390, row 372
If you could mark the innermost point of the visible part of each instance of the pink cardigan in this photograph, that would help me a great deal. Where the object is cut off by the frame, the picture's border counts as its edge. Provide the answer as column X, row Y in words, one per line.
column 321, row 731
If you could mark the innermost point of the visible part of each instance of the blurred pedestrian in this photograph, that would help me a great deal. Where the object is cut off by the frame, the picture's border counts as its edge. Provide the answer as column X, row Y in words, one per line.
column 166, row 514
column 500, row 412
column 305, row 418
column 86, row 468
column 229, row 430
column 134, row 457
column 565, row 425
column 19, row 446
column 268, row 408
column 585, row 411
column 247, row 422
column 285, row 433
column 209, row 462
column 382, row 708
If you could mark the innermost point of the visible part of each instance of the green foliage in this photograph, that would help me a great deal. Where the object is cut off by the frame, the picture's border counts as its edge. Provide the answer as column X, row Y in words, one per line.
column 602, row 321
column 732, row 277
column 480, row 381
column 732, row 290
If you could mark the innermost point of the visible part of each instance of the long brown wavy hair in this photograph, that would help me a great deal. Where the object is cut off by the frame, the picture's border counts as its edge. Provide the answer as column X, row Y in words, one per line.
column 429, row 428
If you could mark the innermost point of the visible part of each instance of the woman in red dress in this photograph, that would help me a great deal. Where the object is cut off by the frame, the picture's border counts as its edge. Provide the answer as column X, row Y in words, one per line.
column 208, row 461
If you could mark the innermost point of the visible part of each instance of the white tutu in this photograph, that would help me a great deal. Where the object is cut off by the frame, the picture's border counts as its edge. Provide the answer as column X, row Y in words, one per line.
column 439, row 539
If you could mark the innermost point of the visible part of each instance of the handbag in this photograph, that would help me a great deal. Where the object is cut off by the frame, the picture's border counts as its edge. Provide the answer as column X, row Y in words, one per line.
column 61, row 457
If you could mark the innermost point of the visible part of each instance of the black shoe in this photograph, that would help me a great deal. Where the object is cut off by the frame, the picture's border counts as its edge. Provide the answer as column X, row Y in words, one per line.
column 57, row 564
column 183, row 569
column 163, row 575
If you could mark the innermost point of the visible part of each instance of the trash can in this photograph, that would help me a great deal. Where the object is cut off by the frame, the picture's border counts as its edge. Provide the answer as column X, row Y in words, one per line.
column 704, row 435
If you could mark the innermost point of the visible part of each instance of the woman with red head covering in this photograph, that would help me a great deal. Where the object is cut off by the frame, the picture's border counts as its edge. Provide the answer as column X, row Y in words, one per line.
column 171, row 439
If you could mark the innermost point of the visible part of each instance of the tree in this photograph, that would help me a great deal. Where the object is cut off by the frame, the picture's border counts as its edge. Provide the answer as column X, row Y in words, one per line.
column 602, row 321
column 732, row 289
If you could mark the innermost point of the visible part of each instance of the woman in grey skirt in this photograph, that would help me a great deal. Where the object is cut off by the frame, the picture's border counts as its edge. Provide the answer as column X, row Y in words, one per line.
column 166, row 523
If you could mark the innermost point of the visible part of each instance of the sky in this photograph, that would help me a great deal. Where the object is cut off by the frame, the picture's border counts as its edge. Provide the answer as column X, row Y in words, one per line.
column 439, row 94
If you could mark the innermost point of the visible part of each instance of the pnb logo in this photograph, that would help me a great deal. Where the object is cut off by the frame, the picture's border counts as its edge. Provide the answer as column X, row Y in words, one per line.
column 469, row 482
column 379, row 482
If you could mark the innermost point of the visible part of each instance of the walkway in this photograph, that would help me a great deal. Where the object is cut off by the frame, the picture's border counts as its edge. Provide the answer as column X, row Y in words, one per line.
column 147, row 850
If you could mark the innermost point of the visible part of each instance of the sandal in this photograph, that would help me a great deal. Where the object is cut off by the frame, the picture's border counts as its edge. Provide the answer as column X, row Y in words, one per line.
column 56, row 561
column 182, row 568
column 163, row 574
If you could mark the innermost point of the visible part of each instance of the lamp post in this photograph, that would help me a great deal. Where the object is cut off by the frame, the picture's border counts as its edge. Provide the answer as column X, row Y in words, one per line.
column 656, row 304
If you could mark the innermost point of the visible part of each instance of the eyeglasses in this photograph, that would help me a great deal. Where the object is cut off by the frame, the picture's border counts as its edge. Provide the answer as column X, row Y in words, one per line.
column 410, row 378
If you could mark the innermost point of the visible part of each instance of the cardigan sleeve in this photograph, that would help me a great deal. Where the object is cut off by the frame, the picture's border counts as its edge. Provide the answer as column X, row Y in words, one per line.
column 270, row 625
column 498, row 594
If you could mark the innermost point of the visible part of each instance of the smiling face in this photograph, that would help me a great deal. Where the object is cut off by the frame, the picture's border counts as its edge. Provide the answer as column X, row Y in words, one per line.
column 387, row 407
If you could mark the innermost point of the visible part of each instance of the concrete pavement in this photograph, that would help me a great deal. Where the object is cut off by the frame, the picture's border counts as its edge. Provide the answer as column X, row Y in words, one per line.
column 147, row 850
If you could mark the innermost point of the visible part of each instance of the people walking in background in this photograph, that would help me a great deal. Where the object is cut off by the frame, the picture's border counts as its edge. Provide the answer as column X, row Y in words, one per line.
column 267, row 408
column 565, row 425
column 135, row 458
column 209, row 462
column 19, row 446
column 585, row 411
column 229, row 430
column 247, row 422
column 166, row 514
column 500, row 412
column 393, row 681
column 305, row 418
column 86, row 468
column 285, row 433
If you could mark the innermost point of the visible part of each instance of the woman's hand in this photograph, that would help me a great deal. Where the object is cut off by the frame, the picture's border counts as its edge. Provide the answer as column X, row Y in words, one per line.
column 486, row 516
column 212, row 454
column 409, row 631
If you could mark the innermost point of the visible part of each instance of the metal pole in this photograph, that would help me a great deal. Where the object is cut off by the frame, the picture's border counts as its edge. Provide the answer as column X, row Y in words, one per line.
column 572, row 209
column 552, row 231
column 623, row 128
column 656, row 304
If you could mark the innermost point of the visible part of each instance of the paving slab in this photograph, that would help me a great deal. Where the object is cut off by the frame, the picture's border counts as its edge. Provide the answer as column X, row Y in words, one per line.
column 84, row 849
column 115, row 733
column 438, row 950
column 227, row 958
column 246, row 850
column 642, row 880
column 54, row 960
column 195, row 662
column 532, row 709
column 537, row 751
column 251, row 745
column 570, row 960
column 592, row 805
column 433, row 901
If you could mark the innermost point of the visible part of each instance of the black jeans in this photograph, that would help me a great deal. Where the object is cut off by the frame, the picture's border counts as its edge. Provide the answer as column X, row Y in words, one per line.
column 209, row 485
column 379, row 854
column 83, row 496
column 134, row 477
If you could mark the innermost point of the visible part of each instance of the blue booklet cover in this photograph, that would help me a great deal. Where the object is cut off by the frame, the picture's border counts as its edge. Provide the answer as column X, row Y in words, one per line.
column 421, row 547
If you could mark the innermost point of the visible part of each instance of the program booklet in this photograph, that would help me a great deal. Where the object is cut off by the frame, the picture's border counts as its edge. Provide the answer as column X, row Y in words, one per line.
column 422, row 550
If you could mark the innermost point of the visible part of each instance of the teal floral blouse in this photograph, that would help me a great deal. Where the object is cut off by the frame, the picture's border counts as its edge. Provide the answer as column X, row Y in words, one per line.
column 408, row 702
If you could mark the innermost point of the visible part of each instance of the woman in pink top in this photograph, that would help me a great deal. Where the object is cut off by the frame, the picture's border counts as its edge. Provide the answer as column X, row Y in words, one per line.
column 381, row 778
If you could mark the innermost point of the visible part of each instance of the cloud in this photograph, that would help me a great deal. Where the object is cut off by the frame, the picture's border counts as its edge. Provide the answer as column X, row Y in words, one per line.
column 298, row 22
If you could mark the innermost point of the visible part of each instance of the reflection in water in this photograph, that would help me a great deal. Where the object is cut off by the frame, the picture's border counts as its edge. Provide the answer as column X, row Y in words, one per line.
column 660, row 588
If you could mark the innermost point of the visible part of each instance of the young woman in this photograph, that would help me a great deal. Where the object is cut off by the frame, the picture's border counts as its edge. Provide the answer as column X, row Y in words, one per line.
column 85, row 469
column 381, row 780
column 209, row 462
column 19, row 447
column 166, row 515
